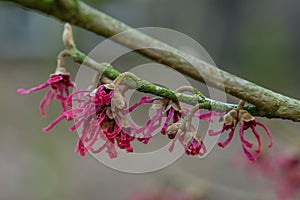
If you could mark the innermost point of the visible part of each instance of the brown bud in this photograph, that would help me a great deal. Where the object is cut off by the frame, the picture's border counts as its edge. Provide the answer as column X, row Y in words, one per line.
column 109, row 112
column 189, row 134
column 245, row 116
column 105, row 80
column 173, row 128
column 68, row 36
column 110, row 86
column 159, row 103
column 124, row 122
column 231, row 117
column 176, row 106
column 118, row 100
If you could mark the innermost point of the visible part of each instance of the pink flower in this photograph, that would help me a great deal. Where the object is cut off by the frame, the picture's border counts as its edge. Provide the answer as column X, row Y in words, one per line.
column 103, row 125
column 246, row 121
column 59, row 89
column 173, row 116
column 103, row 95
column 230, row 122
column 194, row 147
column 186, row 133
column 246, row 145
column 123, row 140
column 188, row 137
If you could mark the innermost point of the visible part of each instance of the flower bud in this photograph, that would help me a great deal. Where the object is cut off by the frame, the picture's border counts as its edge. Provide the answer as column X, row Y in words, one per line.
column 159, row 104
column 245, row 116
column 176, row 106
column 172, row 130
column 231, row 118
column 68, row 36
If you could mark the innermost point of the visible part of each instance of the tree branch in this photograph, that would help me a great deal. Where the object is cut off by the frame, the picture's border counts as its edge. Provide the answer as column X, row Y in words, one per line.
column 270, row 104
column 147, row 87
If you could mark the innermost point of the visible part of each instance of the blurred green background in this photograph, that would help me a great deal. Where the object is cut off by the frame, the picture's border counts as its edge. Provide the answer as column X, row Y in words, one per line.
column 257, row 40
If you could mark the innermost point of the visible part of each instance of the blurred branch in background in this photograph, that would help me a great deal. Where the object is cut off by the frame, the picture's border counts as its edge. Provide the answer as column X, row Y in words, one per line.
column 80, row 14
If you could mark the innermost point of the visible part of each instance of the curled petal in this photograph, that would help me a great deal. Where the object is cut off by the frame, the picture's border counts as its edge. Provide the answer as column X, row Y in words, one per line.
column 257, row 136
column 215, row 133
column 228, row 140
column 267, row 131
column 169, row 117
column 152, row 125
column 144, row 100
column 80, row 148
column 248, row 154
column 40, row 87
column 75, row 96
column 111, row 150
column 47, row 99
column 243, row 140
column 207, row 116
column 50, row 126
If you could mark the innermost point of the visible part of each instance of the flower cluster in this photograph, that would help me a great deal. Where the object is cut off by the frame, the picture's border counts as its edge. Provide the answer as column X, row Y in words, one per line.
column 177, row 125
column 99, row 120
column 100, row 114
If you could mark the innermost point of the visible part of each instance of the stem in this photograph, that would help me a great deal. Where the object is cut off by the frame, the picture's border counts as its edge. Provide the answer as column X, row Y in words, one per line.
column 147, row 87
column 270, row 104
column 241, row 104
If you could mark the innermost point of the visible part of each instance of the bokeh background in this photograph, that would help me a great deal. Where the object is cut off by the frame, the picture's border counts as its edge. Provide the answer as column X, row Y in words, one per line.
column 257, row 40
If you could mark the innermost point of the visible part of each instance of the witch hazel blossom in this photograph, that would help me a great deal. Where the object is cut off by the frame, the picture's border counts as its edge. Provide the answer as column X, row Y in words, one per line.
column 98, row 124
column 193, row 144
column 59, row 85
column 186, row 133
column 164, row 108
column 230, row 122
column 247, row 121
column 171, row 127
column 188, row 137
column 250, row 122
column 173, row 112
column 102, row 122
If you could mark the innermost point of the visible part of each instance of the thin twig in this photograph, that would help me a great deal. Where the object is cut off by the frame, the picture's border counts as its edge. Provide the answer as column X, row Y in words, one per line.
column 147, row 87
